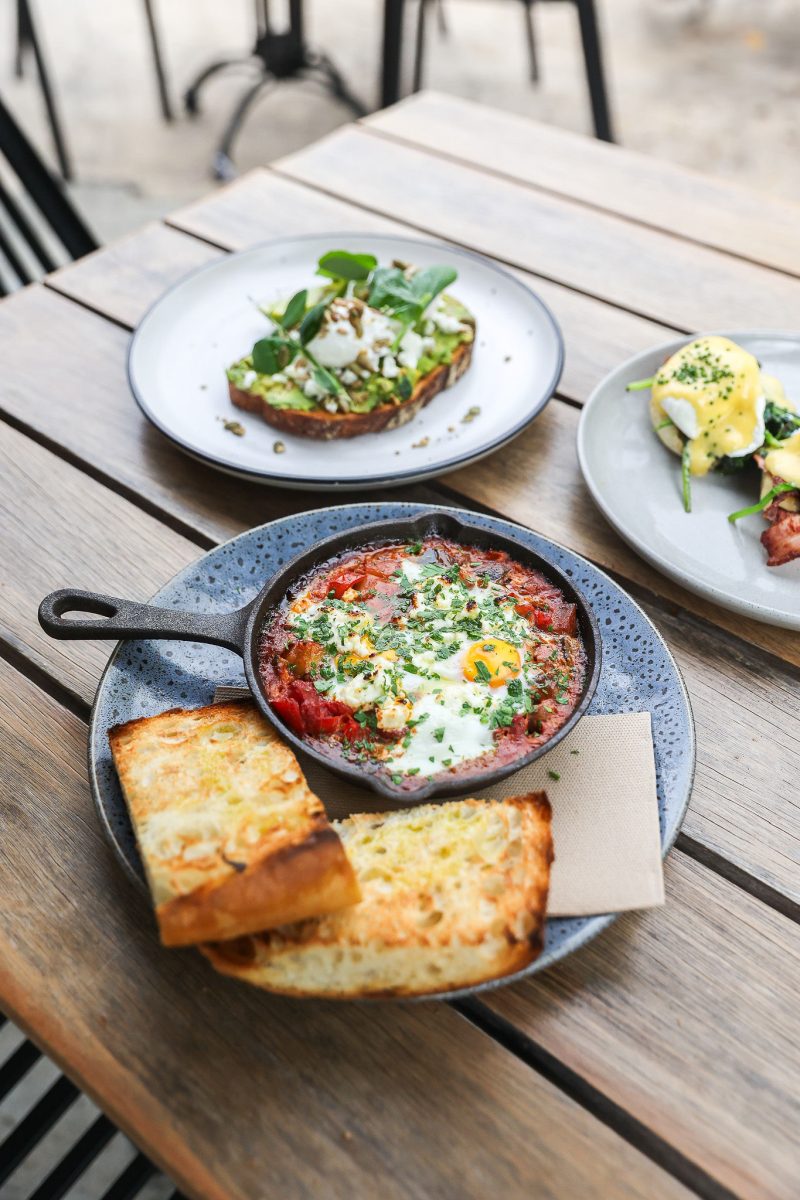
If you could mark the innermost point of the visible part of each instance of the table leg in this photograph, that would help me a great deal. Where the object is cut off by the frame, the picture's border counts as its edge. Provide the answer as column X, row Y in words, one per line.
column 393, row 11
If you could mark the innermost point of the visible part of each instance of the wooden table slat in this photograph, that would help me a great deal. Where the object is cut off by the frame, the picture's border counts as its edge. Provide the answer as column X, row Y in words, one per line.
column 716, row 212
column 295, row 1099
column 686, row 1016
column 653, row 274
column 123, row 279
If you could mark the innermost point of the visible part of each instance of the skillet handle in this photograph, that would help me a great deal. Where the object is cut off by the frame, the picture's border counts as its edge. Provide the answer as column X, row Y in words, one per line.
column 126, row 619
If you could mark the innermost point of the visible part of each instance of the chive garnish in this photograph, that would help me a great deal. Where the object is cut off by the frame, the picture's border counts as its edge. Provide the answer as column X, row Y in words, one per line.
column 763, row 503
column 686, row 486
column 640, row 385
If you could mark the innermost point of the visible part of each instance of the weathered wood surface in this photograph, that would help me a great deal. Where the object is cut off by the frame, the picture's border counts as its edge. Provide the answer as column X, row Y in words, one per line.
column 237, row 1094
column 97, row 421
column 714, row 212
column 123, row 279
column 687, row 1016
column 651, row 273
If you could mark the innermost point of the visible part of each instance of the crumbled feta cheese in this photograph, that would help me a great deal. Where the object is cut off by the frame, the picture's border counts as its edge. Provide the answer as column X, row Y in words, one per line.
column 443, row 320
column 248, row 379
column 411, row 346
column 389, row 368
column 347, row 376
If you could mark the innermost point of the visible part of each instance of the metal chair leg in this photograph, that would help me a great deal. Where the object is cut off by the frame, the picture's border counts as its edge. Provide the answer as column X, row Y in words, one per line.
column 590, row 37
column 337, row 84
column 32, row 38
column 441, row 18
column 158, row 63
column 223, row 167
column 530, row 34
column 191, row 97
column 22, row 41
column 419, row 47
column 393, row 12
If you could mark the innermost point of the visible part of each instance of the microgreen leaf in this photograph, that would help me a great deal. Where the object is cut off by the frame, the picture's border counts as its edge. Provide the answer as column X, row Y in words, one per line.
column 294, row 310
column 428, row 283
column 312, row 322
column 271, row 354
column 341, row 264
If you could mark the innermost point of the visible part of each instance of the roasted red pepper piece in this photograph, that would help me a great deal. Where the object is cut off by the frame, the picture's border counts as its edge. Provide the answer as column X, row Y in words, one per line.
column 339, row 584
column 289, row 711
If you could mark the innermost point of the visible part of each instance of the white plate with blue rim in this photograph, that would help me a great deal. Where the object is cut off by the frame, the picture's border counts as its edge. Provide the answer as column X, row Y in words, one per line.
column 636, row 483
column 211, row 319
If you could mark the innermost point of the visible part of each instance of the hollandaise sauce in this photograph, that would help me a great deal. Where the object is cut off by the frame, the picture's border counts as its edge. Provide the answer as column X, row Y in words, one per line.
column 783, row 462
column 711, row 390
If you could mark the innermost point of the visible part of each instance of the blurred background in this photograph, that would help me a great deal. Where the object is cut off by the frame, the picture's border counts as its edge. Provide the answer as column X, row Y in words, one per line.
column 713, row 84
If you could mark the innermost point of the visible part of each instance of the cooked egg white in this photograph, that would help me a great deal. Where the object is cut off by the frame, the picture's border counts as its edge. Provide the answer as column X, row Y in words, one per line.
column 712, row 391
column 441, row 693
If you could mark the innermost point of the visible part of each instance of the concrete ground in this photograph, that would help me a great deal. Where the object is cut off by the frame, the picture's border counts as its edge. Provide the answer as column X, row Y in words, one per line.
column 711, row 83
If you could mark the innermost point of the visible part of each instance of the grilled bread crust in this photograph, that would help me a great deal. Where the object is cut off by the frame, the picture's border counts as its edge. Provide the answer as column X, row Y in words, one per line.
column 325, row 426
column 232, row 839
column 452, row 895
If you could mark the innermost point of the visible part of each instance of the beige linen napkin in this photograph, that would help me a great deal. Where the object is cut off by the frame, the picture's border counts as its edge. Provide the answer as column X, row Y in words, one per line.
column 601, row 783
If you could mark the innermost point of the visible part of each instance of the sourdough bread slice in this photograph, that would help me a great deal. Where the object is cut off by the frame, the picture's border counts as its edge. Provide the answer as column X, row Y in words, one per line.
column 325, row 426
column 232, row 839
column 452, row 895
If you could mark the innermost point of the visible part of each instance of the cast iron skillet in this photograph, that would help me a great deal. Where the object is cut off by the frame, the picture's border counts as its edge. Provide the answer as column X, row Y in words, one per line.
column 241, row 630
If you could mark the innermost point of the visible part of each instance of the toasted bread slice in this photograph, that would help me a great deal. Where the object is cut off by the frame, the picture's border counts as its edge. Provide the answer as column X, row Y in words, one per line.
column 231, row 837
column 452, row 895
column 325, row 426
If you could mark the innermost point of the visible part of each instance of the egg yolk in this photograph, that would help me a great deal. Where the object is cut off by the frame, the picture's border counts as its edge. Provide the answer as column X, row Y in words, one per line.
column 491, row 661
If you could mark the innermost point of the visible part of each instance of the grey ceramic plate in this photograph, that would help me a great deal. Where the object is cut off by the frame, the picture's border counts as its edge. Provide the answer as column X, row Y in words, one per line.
column 178, row 356
column 143, row 678
column 636, row 483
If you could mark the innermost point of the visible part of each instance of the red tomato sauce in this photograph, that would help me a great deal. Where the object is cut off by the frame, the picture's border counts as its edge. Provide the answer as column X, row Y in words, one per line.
column 298, row 668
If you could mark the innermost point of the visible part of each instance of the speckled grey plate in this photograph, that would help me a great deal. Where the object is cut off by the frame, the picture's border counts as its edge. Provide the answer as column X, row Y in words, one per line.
column 147, row 677
column 636, row 483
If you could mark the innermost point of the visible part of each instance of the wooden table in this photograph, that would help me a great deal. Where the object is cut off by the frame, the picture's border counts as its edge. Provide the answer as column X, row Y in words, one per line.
column 660, row 1061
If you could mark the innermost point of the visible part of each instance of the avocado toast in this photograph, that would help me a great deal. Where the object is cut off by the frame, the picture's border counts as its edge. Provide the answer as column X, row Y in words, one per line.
column 363, row 353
